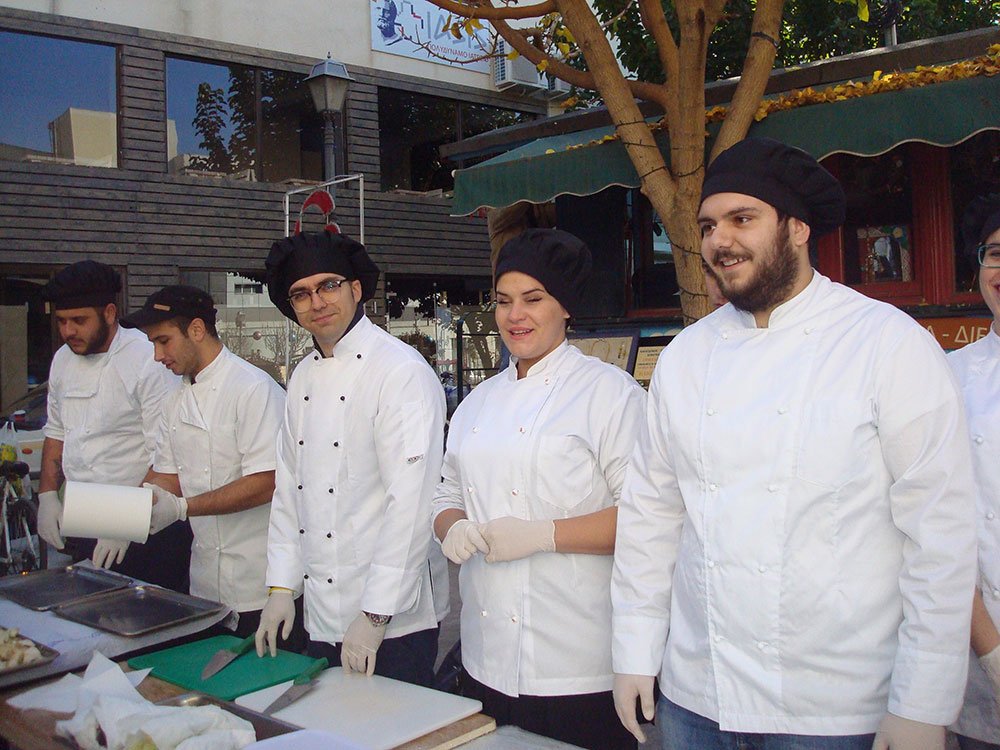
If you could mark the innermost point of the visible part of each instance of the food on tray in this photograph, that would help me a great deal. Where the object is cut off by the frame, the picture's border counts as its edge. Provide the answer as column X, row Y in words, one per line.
column 15, row 650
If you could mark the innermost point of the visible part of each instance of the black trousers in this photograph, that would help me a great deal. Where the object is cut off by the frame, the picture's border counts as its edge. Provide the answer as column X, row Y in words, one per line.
column 409, row 658
column 164, row 560
column 588, row 720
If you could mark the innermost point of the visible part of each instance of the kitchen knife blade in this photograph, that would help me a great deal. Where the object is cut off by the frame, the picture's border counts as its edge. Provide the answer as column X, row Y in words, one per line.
column 224, row 656
column 299, row 687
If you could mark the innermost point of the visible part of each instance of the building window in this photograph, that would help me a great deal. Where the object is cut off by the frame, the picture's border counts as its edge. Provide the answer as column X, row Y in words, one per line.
column 58, row 101
column 652, row 281
column 413, row 126
column 974, row 171
column 241, row 122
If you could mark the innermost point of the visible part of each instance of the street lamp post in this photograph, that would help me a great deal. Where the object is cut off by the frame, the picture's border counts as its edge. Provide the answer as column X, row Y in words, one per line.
column 328, row 81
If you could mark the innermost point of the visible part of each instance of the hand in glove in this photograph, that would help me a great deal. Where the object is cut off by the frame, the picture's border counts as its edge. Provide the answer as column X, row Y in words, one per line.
column 109, row 552
column 989, row 662
column 167, row 508
column 897, row 733
column 50, row 518
column 627, row 688
column 512, row 538
column 279, row 608
column 361, row 642
column 462, row 541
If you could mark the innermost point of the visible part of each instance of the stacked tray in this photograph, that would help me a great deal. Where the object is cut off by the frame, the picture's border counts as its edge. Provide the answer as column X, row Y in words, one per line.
column 104, row 600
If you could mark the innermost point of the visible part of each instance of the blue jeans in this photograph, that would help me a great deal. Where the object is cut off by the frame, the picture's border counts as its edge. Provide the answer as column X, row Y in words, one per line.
column 684, row 730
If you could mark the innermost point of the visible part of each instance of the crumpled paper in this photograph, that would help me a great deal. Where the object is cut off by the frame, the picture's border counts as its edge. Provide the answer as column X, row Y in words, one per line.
column 73, row 692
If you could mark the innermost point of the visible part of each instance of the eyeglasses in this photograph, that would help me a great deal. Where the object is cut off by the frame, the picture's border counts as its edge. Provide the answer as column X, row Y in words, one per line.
column 327, row 291
column 989, row 255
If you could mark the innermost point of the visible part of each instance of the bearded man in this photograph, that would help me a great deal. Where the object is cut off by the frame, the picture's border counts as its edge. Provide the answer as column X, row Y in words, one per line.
column 796, row 544
column 104, row 406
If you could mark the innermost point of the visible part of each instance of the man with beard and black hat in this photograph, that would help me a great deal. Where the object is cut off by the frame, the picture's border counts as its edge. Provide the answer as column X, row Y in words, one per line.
column 359, row 456
column 796, row 542
column 105, row 395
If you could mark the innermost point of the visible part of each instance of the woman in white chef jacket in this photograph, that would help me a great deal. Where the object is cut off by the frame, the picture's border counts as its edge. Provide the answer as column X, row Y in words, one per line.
column 534, row 465
column 977, row 367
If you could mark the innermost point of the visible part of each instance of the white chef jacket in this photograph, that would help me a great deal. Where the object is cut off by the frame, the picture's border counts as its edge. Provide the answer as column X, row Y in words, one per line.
column 105, row 408
column 359, row 455
column 551, row 445
column 977, row 367
column 220, row 428
column 798, row 515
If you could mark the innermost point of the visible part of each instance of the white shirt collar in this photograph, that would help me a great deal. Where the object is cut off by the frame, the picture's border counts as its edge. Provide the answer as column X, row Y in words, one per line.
column 791, row 309
column 213, row 368
column 546, row 365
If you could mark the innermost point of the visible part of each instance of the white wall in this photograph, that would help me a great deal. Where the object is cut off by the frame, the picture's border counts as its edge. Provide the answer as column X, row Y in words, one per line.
column 303, row 27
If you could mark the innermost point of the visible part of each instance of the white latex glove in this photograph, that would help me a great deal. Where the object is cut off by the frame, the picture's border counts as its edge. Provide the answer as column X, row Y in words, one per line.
column 50, row 518
column 279, row 608
column 109, row 552
column 627, row 688
column 989, row 662
column 167, row 508
column 361, row 642
column 512, row 538
column 463, row 540
column 897, row 733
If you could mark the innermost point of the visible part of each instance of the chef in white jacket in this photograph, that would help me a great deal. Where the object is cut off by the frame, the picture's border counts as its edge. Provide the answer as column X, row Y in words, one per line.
column 977, row 367
column 214, row 460
column 359, row 455
column 534, row 466
column 104, row 405
column 796, row 543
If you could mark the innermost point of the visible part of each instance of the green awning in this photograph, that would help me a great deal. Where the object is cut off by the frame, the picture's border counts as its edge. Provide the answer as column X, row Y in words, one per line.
column 942, row 114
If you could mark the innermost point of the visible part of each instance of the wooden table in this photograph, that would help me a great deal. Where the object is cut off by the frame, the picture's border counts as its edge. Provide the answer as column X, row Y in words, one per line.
column 35, row 729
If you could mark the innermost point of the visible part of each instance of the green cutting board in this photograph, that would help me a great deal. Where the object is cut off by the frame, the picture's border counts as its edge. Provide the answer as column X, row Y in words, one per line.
column 182, row 665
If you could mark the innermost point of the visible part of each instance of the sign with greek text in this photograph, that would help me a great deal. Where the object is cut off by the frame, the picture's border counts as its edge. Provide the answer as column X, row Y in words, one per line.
column 419, row 30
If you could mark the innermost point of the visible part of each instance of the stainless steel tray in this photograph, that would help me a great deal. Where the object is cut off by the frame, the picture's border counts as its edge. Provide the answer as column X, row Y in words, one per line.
column 48, row 655
column 137, row 610
column 265, row 726
column 46, row 589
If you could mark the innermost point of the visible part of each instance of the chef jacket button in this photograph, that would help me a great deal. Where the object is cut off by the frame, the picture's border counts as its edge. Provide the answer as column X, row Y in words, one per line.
column 306, row 398
column 300, row 486
column 991, row 515
column 761, row 645
column 316, row 357
column 762, row 568
column 711, row 563
column 546, row 381
column 87, row 431
column 807, row 331
column 330, row 490
column 996, row 593
column 343, row 398
column 521, row 430
column 513, row 618
column 329, row 580
column 175, row 428
column 772, row 488
column 513, row 492
column 305, row 576
column 336, row 443
column 179, row 467
column 302, row 531
column 978, row 439
column 782, row 410
column 329, row 535
column 712, row 487
column 301, row 442
column 725, row 335
column 483, row 613
column 475, row 429
column 359, row 356
column 711, row 412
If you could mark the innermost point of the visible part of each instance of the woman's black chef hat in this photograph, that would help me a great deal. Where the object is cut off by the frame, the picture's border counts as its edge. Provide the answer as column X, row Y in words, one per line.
column 83, row 284
column 558, row 259
column 309, row 253
column 785, row 177
column 980, row 220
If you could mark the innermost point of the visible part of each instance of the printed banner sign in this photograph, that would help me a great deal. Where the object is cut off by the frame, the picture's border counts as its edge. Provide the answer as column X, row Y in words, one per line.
column 416, row 29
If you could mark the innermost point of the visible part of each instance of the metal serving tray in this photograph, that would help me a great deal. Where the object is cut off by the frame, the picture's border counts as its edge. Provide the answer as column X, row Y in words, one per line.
column 137, row 610
column 46, row 589
column 265, row 726
column 48, row 655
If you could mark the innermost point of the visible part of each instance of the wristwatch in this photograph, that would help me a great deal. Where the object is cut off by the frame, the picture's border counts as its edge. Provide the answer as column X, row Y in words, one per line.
column 379, row 621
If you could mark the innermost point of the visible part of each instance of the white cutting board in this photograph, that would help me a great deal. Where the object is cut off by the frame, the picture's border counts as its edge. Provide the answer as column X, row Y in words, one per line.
column 374, row 712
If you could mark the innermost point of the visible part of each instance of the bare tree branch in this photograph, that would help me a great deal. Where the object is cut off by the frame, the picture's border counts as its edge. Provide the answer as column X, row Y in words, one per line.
column 493, row 13
column 756, row 71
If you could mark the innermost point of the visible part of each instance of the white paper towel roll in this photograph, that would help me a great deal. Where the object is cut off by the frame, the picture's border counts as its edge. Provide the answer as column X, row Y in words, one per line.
column 106, row 511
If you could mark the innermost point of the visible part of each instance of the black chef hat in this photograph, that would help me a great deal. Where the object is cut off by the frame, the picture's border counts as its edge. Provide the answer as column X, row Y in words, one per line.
column 980, row 220
column 83, row 284
column 558, row 259
column 783, row 176
column 171, row 302
column 308, row 253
